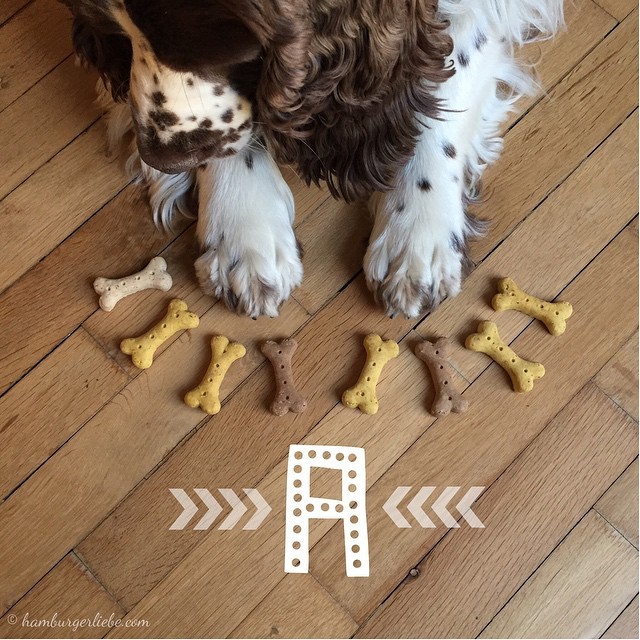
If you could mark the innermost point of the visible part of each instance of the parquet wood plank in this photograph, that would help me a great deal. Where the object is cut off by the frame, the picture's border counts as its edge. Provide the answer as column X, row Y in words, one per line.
column 39, row 214
column 290, row 611
column 472, row 573
column 117, row 448
column 68, row 592
column 236, row 452
column 473, row 449
column 578, row 591
column 619, row 377
column 601, row 197
column 619, row 9
column 626, row 625
column 619, row 505
column 44, row 120
column 585, row 25
column 31, row 44
column 580, row 112
column 71, row 384
column 10, row 7
column 215, row 570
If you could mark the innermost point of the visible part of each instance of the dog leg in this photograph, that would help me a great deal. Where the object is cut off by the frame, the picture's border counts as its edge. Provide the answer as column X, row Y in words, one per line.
column 418, row 248
column 251, row 256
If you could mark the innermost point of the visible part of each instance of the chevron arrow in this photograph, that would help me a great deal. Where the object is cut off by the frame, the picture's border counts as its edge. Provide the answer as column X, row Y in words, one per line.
column 262, row 509
column 464, row 507
column 189, row 509
column 391, row 507
column 238, row 509
column 213, row 512
column 439, row 507
column 415, row 508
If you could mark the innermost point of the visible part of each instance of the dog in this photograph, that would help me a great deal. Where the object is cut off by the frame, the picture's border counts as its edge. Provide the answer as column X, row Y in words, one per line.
column 397, row 101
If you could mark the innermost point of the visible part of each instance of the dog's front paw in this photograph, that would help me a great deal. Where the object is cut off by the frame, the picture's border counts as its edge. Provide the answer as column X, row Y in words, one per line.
column 410, row 274
column 252, row 281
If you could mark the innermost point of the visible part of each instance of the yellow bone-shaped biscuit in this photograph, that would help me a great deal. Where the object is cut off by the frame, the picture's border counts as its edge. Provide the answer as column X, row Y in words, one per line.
column 363, row 394
column 207, row 394
column 553, row 314
column 143, row 348
column 488, row 340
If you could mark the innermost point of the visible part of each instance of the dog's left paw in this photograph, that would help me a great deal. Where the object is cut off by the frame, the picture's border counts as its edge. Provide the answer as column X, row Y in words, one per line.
column 411, row 274
column 252, row 281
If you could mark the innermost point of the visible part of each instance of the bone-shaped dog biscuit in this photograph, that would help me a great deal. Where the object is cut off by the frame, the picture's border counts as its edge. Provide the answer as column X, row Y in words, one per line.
column 143, row 348
column 287, row 397
column 447, row 398
column 553, row 314
column 522, row 372
column 153, row 276
column 207, row 394
column 363, row 394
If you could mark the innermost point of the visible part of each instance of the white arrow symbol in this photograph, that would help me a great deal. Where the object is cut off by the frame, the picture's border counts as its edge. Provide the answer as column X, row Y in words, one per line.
column 415, row 507
column 440, row 507
column 238, row 509
column 391, row 507
column 213, row 512
column 190, row 509
column 262, row 507
column 464, row 507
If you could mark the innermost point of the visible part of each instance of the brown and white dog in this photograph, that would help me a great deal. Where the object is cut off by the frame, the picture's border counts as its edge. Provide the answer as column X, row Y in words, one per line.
column 399, row 101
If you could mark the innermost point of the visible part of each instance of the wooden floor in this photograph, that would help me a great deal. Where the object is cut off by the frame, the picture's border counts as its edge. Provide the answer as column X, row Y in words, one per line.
column 90, row 446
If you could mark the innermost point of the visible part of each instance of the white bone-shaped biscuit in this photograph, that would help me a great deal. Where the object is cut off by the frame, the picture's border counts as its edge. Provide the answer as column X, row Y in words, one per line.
column 153, row 276
column 488, row 341
column 207, row 394
column 363, row 394
column 553, row 314
column 143, row 348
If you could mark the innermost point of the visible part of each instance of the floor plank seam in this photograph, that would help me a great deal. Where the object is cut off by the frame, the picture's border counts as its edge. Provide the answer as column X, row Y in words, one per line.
column 449, row 532
column 16, row 12
column 611, row 625
column 613, row 526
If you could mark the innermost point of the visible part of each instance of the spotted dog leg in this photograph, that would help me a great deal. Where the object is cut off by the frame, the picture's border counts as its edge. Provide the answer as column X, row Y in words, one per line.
column 418, row 247
column 251, row 256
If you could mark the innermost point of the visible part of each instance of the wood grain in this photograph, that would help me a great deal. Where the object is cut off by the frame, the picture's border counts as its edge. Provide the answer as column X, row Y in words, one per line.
column 476, row 447
column 71, row 384
column 578, row 591
column 297, row 608
column 45, row 119
column 619, row 505
column 619, row 377
column 46, row 214
column 465, row 580
column 626, row 625
column 31, row 44
column 619, row 9
column 68, row 592
column 561, row 131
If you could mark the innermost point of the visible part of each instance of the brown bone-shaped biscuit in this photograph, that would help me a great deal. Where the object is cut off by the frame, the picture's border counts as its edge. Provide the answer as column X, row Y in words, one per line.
column 447, row 398
column 287, row 397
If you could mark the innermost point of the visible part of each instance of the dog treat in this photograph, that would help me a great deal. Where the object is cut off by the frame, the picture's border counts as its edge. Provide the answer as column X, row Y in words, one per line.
column 363, row 394
column 522, row 372
column 553, row 314
column 447, row 399
column 207, row 394
column 153, row 276
column 143, row 348
column 287, row 397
